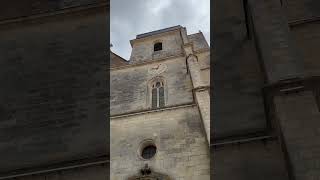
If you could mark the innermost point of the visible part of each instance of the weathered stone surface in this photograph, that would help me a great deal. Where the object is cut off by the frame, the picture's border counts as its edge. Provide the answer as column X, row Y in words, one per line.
column 143, row 48
column 179, row 129
column 278, row 53
column 307, row 38
column 16, row 9
column 129, row 86
column 256, row 160
column 280, row 40
column 299, row 119
column 178, row 135
column 96, row 172
column 302, row 9
column 198, row 41
column 53, row 95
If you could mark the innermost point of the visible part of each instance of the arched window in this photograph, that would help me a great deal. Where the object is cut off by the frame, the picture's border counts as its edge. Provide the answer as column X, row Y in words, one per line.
column 157, row 97
column 157, row 46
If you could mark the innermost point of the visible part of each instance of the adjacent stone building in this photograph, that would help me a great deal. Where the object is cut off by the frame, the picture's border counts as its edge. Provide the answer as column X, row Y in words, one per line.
column 160, row 118
column 53, row 95
column 265, row 100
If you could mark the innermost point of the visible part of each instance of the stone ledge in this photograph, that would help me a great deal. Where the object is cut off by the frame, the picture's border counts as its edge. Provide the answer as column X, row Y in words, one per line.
column 246, row 140
column 57, row 167
column 304, row 21
column 152, row 110
column 50, row 14
column 150, row 61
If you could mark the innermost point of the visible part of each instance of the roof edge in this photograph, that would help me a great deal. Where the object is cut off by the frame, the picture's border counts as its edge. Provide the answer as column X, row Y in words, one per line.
column 123, row 59
column 157, row 32
column 139, row 36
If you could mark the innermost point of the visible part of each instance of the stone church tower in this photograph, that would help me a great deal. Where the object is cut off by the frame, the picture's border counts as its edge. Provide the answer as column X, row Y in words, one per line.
column 160, row 118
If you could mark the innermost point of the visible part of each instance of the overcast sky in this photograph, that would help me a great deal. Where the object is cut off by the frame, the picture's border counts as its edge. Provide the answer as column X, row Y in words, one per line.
column 132, row 17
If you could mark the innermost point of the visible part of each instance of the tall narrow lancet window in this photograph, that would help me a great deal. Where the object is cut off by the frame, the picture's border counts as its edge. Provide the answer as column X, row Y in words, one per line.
column 157, row 94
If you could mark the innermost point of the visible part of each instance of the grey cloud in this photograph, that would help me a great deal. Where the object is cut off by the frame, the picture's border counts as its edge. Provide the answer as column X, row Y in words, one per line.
column 132, row 17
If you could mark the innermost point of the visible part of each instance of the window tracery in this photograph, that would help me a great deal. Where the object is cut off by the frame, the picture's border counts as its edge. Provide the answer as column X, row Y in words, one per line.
column 157, row 94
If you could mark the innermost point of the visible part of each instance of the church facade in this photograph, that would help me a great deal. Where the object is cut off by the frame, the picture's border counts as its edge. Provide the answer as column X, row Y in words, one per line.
column 159, row 106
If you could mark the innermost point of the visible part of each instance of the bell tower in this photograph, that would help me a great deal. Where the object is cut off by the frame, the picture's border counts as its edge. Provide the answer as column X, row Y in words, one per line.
column 157, row 45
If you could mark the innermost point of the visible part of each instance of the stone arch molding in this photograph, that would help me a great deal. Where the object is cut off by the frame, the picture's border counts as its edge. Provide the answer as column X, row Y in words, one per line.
column 157, row 79
column 193, row 57
column 146, row 173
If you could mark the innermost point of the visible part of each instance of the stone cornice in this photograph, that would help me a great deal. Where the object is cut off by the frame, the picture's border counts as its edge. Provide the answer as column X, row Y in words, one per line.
column 145, row 111
column 148, row 62
column 245, row 140
column 202, row 50
column 291, row 86
column 201, row 88
column 303, row 21
column 101, row 160
column 153, row 36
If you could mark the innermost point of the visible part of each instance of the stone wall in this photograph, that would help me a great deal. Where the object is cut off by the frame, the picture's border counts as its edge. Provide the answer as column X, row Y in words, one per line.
column 307, row 39
column 97, row 172
column 259, row 160
column 177, row 129
column 301, row 9
column 239, row 111
column 204, row 62
column 129, row 86
column 299, row 120
column 278, row 51
column 142, row 49
column 53, row 90
column 238, row 100
column 182, row 149
column 16, row 9
column 299, row 111
column 282, row 45
column 198, row 41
